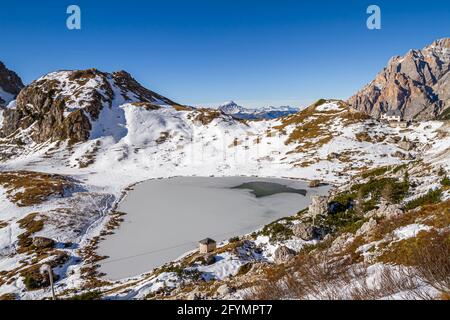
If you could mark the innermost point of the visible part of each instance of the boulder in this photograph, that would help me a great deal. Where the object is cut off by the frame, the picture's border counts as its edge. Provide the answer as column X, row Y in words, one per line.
column 403, row 156
column 194, row 295
column 284, row 254
column 43, row 243
column 367, row 228
column 304, row 231
column 406, row 145
column 385, row 210
column 319, row 206
column 314, row 183
column 341, row 242
column 224, row 290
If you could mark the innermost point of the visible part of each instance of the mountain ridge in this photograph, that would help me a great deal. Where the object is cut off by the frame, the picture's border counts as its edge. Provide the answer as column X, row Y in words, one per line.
column 10, row 85
column 416, row 84
column 264, row 113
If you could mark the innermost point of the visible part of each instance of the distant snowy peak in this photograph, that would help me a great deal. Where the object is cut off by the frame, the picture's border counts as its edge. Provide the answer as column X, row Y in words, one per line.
column 10, row 85
column 233, row 109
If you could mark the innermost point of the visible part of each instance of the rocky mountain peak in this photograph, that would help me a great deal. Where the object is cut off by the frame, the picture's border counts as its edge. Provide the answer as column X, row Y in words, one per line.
column 64, row 104
column 417, row 84
column 10, row 85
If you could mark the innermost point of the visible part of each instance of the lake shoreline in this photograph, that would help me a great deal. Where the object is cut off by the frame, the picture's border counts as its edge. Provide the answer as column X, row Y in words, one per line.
column 128, row 190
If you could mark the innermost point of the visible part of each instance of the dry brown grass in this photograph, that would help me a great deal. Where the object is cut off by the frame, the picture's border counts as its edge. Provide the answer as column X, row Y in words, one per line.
column 26, row 188
column 312, row 128
column 206, row 116
column 146, row 105
column 436, row 215
column 32, row 223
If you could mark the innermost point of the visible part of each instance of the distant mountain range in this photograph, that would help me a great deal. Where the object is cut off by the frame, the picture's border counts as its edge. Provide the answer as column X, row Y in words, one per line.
column 233, row 109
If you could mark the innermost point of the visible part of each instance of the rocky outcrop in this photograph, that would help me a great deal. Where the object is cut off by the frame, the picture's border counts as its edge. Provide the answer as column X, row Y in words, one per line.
column 385, row 210
column 283, row 254
column 10, row 85
column 417, row 85
column 43, row 243
column 319, row 206
column 367, row 228
column 64, row 105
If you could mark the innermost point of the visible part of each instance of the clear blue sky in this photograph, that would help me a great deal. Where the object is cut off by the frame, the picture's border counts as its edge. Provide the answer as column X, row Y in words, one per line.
column 210, row 51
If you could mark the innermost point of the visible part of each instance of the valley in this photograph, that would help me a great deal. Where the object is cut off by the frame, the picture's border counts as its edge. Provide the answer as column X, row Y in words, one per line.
column 95, row 170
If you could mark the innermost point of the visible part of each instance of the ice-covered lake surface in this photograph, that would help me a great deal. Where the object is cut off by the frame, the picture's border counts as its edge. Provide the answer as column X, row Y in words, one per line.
column 166, row 218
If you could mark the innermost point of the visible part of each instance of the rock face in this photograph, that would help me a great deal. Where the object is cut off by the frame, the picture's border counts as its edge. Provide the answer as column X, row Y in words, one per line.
column 304, row 231
column 43, row 243
column 283, row 254
column 10, row 85
column 65, row 105
column 417, row 85
column 385, row 210
column 319, row 206
column 367, row 228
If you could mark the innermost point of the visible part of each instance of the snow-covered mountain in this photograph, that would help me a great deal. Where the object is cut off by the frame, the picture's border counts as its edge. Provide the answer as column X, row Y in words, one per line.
column 74, row 142
column 239, row 112
column 10, row 85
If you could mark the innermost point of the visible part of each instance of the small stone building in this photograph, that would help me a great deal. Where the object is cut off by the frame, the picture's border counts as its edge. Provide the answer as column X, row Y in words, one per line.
column 207, row 245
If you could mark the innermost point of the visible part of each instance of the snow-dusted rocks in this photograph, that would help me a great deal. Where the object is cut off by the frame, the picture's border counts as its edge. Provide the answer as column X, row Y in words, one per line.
column 10, row 85
column 67, row 105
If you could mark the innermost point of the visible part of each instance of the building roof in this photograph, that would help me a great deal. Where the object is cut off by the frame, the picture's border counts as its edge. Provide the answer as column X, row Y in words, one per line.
column 393, row 113
column 207, row 241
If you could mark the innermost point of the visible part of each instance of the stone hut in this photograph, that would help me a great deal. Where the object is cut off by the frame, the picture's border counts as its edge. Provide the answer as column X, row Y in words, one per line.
column 207, row 245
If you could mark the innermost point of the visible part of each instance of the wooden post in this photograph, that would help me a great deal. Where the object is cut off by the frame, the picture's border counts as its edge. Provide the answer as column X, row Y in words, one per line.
column 47, row 269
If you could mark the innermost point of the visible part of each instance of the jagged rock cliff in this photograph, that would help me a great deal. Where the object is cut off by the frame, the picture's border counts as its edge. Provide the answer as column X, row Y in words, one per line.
column 416, row 84
column 10, row 85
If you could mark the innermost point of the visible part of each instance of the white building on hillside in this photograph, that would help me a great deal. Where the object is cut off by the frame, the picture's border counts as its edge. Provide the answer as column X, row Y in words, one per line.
column 392, row 115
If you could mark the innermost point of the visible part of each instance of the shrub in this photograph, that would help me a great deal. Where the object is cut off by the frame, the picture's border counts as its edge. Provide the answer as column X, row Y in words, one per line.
column 233, row 239
column 432, row 197
column 91, row 295
column 375, row 172
column 277, row 231
column 347, row 221
column 445, row 181
column 374, row 188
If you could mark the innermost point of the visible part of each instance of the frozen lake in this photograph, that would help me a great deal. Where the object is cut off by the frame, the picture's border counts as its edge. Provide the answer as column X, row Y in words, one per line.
column 166, row 218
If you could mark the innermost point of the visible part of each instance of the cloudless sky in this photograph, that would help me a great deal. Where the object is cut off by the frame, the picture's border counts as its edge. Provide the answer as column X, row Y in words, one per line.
column 205, row 52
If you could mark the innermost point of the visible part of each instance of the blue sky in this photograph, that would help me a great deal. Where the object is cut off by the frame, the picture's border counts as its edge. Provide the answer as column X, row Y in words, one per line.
column 208, row 51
